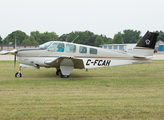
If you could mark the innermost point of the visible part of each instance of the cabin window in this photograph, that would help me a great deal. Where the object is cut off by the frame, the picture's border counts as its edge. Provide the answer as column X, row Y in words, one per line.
column 121, row 47
column 115, row 47
column 93, row 51
column 70, row 48
column 82, row 49
column 109, row 47
column 57, row 47
column 105, row 47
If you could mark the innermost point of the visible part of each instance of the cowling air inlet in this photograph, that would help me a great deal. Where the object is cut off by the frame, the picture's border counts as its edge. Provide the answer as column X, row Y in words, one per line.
column 147, row 41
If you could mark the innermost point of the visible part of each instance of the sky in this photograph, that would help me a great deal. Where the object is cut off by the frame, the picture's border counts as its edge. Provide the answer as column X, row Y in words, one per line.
column 106, row 17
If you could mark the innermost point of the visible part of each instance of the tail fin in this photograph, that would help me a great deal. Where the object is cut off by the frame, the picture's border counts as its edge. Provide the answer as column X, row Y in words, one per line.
column 146, row 45
column 148, row 41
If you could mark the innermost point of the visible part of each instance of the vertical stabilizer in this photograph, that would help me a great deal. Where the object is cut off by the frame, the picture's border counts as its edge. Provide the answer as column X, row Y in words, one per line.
column 148, row 41
column 146, row 45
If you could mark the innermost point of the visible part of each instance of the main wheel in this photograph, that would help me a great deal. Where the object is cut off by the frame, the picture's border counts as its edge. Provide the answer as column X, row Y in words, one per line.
column 18, row 75
column 64, row 76
column 58, row 72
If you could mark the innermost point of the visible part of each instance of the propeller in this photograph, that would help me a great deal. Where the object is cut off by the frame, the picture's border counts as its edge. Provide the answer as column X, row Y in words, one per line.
column 15, row 51
column 15, row 60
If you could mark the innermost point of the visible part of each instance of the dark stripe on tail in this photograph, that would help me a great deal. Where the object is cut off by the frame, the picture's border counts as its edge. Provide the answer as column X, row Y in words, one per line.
column 148, row 41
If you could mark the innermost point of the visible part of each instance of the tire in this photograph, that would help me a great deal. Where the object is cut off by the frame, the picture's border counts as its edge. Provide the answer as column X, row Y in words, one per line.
column 18, row 75
column 64, row 76
column 58, row 72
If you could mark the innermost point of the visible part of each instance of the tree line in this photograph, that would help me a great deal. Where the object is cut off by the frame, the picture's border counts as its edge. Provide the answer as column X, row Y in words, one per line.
column 85, row 37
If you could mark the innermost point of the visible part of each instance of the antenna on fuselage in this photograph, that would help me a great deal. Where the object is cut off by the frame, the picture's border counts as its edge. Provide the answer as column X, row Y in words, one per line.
column 75, row 39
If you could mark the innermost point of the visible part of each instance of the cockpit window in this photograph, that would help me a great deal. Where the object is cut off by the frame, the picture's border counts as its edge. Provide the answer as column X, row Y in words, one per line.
column 45, row 45
column 56, row 47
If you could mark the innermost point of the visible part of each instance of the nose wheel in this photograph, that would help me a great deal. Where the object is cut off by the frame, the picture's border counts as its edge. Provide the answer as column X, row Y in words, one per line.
column 18, row 74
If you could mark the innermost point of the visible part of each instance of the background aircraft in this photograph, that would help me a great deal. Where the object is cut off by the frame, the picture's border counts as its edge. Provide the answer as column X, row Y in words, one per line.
column 65, row 56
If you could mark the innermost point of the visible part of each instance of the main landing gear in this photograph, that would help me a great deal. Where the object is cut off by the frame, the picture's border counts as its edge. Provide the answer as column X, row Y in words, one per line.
column 58, row 72
column 18, row 74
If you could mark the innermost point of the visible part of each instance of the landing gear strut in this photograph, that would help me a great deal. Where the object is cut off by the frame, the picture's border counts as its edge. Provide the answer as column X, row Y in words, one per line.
column 18, row 74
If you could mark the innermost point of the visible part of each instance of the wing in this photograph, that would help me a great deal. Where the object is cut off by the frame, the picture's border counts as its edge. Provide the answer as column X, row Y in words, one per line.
column 66, row 61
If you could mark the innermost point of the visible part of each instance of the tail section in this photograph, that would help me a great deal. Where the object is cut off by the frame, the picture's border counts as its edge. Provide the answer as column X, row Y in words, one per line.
column 146, row 45
column 148, row 41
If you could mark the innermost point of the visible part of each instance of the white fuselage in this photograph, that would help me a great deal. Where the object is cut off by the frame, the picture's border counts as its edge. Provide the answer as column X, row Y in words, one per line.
column 102, row 58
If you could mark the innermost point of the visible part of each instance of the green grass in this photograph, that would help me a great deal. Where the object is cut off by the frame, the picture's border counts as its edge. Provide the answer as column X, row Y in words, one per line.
column 123, row 92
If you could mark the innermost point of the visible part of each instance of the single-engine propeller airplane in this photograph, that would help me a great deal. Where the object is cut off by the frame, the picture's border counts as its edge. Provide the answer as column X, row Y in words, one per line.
column 65, row 56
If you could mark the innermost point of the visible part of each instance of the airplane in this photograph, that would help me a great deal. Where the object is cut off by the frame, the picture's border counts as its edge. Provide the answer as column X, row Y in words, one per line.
column 66, row 56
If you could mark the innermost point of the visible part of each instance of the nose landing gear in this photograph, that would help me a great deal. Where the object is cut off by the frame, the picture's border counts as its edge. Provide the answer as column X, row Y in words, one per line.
column 18, row 74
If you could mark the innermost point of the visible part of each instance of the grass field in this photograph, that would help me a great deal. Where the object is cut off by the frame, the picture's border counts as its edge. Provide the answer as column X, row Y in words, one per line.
column 123, row 92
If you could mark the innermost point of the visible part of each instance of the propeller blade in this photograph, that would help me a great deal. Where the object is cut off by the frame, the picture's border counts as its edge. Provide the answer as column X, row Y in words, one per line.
column 15, row 52
column 14, row 60
column 4, row 52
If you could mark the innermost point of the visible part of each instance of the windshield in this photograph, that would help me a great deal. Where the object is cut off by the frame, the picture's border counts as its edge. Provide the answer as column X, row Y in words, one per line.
column 45, row 45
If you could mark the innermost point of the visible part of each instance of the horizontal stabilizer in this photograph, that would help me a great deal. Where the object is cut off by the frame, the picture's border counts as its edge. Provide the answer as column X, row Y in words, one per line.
column 144, row 57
